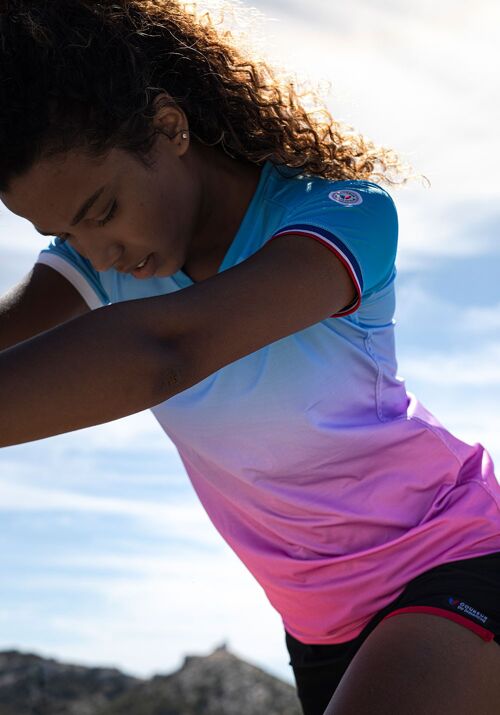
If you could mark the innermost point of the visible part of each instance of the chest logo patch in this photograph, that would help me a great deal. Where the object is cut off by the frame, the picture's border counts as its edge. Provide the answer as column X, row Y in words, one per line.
column 346, row 198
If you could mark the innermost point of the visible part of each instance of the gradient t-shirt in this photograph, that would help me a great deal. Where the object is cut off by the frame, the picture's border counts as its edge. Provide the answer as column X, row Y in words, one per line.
column 331, row 482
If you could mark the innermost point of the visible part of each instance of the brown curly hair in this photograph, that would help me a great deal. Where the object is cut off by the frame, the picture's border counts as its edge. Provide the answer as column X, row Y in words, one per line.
column 84, row 74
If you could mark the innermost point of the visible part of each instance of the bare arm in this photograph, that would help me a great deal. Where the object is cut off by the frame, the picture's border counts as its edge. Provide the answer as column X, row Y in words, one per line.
column 42, row 300
column 129, row 356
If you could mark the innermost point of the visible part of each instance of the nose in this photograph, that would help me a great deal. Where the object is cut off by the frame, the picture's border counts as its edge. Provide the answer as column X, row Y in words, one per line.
column 102, row 256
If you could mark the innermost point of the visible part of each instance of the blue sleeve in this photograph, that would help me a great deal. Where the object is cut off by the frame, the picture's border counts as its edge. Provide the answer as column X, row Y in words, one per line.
column 357, row 220
column 77, row 270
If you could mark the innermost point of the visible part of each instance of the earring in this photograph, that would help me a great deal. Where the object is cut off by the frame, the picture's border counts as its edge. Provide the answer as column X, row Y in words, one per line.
column 184, row 135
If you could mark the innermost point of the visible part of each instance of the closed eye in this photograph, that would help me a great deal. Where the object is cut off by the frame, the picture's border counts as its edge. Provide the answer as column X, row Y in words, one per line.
column 110, row 215
column 101, row 222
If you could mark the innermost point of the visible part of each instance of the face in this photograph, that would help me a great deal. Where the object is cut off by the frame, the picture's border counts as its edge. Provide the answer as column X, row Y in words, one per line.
column 114, row 211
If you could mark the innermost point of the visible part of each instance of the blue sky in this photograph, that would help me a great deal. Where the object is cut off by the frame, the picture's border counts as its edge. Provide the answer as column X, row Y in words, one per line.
column 107, row 557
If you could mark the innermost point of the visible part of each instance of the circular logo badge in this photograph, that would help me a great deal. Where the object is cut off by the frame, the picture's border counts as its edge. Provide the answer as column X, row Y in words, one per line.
column 346, row 197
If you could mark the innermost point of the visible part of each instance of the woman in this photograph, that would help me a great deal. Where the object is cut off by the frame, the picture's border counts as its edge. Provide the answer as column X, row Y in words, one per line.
column 226, row 259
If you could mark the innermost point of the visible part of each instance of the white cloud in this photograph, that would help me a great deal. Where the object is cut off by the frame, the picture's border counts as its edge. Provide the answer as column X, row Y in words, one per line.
column 175, row 518
column 482, row 319
column 136, row 431
column 449, row 357
column 433, row 224
column 428, row 323
column 479, row 368
column 150, row 611
column 414, row 76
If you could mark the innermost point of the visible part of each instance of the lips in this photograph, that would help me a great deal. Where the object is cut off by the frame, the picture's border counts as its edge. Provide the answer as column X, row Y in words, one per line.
column 142, row 263
column 145, row 268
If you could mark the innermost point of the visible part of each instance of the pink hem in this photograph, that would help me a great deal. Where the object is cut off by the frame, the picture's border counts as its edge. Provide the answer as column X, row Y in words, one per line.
column 484, row 633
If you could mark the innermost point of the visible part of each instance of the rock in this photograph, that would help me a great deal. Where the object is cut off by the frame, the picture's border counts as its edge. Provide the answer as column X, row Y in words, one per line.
column 217, row 684
column 31, row 685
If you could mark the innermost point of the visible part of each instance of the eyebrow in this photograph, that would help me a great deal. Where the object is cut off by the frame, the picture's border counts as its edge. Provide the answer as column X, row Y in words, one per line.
column 82, row 211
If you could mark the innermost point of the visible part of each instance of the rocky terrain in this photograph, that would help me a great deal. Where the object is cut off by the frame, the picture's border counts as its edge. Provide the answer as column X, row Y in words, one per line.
column 217, row 684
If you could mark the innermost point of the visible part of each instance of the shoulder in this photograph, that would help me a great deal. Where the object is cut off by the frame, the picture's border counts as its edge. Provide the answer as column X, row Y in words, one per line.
column 357, row 219
column 300, row 191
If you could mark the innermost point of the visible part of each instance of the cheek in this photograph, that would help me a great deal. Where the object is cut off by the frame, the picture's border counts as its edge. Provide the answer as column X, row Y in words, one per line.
column 164, row 215
column 150, row 228
column 170, row 219
column 138, row 222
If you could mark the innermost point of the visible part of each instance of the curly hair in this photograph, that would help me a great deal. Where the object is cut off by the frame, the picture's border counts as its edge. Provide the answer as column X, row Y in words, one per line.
column 84, row 74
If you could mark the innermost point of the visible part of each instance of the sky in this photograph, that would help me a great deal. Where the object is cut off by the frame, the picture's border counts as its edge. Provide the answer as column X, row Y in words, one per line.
column 106, row 556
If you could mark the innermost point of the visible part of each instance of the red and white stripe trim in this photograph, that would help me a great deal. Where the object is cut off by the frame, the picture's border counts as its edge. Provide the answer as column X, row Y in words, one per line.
column 340, row 255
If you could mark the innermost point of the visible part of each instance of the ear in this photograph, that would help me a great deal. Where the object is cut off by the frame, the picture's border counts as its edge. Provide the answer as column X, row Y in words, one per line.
column 170, row 120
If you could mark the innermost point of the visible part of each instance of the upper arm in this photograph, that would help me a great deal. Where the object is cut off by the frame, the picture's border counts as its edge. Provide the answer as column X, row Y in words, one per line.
column 42, row 300
column 286, row 286
column 331, row 252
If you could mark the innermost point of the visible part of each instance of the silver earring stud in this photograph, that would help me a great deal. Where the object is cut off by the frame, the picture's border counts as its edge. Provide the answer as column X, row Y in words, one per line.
column 184, row 135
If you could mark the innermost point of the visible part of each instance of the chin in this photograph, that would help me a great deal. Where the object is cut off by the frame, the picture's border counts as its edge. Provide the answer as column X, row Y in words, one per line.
column 164, row 271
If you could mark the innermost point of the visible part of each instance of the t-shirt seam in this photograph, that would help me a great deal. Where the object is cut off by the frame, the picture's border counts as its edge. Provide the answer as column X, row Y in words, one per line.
column 483, row 485
column 271, row 200
column 378, row 379
column 435, row 432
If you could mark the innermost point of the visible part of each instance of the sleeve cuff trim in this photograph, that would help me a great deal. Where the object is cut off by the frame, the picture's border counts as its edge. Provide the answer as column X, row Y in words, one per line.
column 90, row 296
column 341, row 251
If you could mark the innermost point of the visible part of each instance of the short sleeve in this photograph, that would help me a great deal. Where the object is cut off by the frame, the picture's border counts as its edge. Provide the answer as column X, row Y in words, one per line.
column 60, row 256
column 357, row 220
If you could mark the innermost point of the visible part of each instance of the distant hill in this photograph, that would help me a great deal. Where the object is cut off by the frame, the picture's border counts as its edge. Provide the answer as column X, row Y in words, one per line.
column 217, row 684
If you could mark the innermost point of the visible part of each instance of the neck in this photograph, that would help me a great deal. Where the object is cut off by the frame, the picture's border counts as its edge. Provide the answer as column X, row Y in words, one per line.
column 227, row 187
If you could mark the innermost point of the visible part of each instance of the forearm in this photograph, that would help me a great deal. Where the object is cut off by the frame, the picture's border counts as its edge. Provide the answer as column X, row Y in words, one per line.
column 98, row 367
